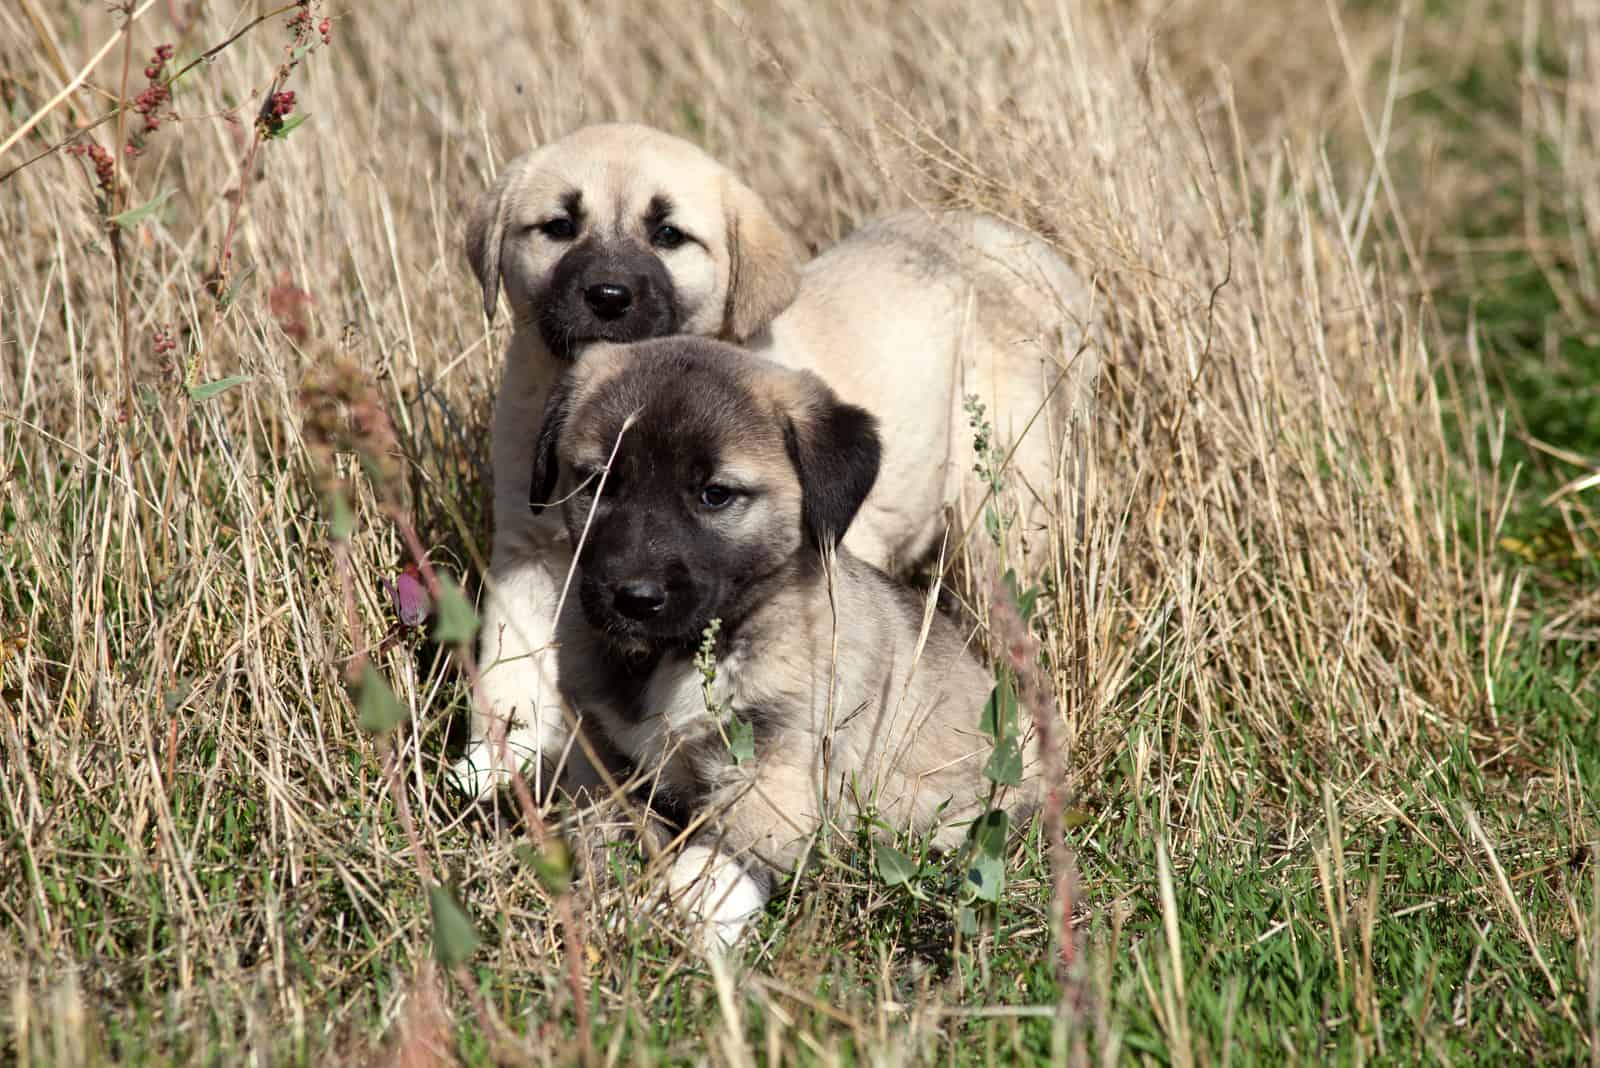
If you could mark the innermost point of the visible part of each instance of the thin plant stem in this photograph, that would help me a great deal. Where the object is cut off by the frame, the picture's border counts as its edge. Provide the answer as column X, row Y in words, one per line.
column 114, row 207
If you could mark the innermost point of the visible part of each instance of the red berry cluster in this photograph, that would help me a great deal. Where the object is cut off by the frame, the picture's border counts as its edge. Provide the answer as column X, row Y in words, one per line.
column 157, row 61
column 156, row 92
column 300, row 23
column 105, row 168
column 162, row 341
column 278, row 108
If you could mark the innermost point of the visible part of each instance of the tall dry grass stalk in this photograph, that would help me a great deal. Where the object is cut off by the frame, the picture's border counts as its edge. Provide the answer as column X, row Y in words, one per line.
column 1259, row 539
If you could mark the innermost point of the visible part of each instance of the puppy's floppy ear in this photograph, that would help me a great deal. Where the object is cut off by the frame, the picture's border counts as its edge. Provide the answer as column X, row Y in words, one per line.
column 486, row 233
column 835, row 450
column 763, row 267
column 546, row 463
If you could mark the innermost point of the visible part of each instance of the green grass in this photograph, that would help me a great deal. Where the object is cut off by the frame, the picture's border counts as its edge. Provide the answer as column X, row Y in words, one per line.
column 1539, row 342
column 1365, row 935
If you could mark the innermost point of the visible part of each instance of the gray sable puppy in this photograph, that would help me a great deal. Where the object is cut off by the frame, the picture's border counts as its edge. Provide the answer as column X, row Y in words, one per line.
column 700, row 483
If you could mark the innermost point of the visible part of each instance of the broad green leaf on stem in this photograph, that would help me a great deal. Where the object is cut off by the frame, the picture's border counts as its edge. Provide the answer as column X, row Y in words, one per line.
column 741, row 740
column 967, row 919
column 894, row 867
column 1025, row 598
column 554, row 867
column 175, row 697
column 1026, row 602
column 381, row 711
column 457, row 621
column 989, row 832
column 1000, row 712
column 986, row 877
column 454, row 937
column 206, row 390
column 135, row 215
column 552, row 864
column 233, row 291
column 287, row 125
column 1005, row 763
column 341, row 517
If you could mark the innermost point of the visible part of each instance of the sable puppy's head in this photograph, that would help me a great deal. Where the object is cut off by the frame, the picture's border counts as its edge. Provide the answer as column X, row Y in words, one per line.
column 621, row 232
column 722, row 471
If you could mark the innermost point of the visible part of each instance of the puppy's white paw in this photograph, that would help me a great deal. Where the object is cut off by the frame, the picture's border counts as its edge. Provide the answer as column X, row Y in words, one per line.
column 479, row 775
column 718, row 896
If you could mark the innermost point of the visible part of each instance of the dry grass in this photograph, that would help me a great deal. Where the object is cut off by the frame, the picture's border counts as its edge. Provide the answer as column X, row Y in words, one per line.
column 1282, row 605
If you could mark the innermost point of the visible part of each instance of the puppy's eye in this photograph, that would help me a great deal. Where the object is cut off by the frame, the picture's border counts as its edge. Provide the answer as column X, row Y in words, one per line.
column 559, row 229
column 668, row 237
column 715, row 497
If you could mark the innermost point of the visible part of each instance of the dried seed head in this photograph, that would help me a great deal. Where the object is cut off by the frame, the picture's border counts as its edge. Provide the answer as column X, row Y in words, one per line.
column 105, row 168
column 343, row 413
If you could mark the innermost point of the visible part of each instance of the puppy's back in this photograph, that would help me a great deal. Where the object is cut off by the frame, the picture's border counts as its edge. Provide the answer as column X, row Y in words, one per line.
column 902, row 734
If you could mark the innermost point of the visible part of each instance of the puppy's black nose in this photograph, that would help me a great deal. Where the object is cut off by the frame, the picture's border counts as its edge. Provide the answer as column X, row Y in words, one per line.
column 639, row 600
column 608, row 299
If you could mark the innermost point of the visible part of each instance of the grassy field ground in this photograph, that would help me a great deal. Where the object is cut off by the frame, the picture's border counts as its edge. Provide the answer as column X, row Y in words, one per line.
column 1325, row 645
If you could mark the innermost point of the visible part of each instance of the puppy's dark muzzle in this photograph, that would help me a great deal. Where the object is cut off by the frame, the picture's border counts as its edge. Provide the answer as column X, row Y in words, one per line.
column 618, row 291
column 639, row 601
column 608, row 300
column 643, row 612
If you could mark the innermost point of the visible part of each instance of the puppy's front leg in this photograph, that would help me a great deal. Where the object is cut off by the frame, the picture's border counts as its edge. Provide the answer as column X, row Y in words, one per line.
column 720, row 896
column 519, row 717
column 762, row 825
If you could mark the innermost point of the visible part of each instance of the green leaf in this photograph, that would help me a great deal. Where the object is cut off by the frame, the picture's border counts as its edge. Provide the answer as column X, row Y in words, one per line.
column 177, row 695
column 1074, row 818
column 299, row 53
column 989, row 833
column 553, row 864
column 381, row 711
column 894, row 867
column 1005, row 763
column 206, row 390
column 986, row 877
column 341, row 518
column 454, row 937
column 741, row 740
column 134, row 215
column 1024, row 599
column 233, row 291
column 1000, row 712
column 286, row 126
column 1026, row 602
column 457, row 621
column 967, row 919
